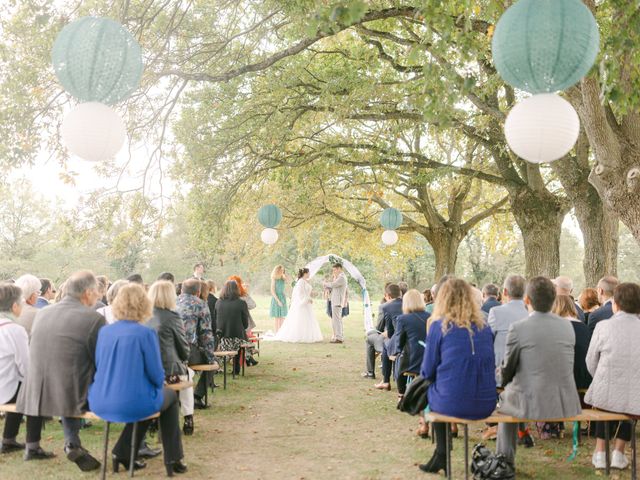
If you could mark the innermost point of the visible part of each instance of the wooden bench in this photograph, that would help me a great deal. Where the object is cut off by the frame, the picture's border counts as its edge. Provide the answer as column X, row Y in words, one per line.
column 204, row 368
column 587, row 415
column 243, row 354
column 226, row 355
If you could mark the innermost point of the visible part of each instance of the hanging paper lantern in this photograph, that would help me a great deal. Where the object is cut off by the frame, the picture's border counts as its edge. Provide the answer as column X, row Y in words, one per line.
column 93, row 131
column 389, row 237
column 270, row 216
column 97, row 60
column 269, row 236
column 542, row 128
column 391, row 218
column 545, row 45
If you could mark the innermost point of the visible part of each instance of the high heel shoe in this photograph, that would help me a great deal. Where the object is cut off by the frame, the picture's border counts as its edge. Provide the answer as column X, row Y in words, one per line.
column 175, row 467
column 438, row 462
column 116, row 462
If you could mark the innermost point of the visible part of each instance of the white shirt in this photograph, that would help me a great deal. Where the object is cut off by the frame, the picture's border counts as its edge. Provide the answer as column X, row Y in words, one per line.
column 107, row 313
column 14, row 356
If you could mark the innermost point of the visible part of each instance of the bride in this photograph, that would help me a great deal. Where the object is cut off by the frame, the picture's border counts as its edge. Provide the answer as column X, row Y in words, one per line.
column 301, row 324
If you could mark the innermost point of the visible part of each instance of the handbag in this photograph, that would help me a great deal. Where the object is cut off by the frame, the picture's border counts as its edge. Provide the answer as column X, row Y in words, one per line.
column 414, row 400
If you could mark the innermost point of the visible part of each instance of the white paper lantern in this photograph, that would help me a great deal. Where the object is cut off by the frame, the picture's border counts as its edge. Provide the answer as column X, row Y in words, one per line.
column 542, row 128
column 269, row 236
column 93, row 131
column 389, row 237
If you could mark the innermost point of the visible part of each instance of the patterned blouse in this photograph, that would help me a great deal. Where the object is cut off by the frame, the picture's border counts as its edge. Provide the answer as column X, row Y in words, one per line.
column 197, row 323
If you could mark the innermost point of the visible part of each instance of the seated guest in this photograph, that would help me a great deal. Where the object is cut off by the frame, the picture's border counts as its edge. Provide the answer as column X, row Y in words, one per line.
column 404, row 287
column 30, row 286
column 391, row 310
column 168, row 276
column 211, row 302
column 564, row 286
column 431, row 304
column 375, row 340
column 537, row 370
column 112, row 292
column 14, row 361
column 411, row 329
column 564, row 307
column 135, row 278
column 196, row 319
column 614, row 364
column 588, row 301
column 47, row 293
column 233, row 320
column 490, row 297
column 129, row 381
column 606, row 287
column 174, row 348
column 243, row 288
column 61, row 363
column 428, row 297
column 458, row 360
column 103, row 286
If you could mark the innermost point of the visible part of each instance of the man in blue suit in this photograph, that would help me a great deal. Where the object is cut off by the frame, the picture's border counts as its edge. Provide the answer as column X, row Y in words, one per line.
column 490, row 297
column 390, row 312
column 605, row 289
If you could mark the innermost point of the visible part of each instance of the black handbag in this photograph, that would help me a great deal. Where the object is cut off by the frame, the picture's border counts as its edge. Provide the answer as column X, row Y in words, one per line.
column 414, row 400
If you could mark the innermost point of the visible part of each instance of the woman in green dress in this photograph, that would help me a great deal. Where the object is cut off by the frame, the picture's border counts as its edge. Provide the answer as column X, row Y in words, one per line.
column 278, row 298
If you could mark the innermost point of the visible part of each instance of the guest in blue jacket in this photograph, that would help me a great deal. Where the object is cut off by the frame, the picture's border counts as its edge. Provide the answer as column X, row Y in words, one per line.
column 411, row 330
column 129, row 381
column 459, row 361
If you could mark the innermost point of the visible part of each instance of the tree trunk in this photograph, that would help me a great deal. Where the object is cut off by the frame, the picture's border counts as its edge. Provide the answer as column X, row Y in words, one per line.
column 539, row 216
column 445, row 246
column 599, row 230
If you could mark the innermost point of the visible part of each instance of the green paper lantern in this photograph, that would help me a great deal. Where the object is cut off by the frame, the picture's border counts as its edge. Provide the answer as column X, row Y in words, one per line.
column 545, row 46
column 270, row 216
column 97, row 60
column 391, row 219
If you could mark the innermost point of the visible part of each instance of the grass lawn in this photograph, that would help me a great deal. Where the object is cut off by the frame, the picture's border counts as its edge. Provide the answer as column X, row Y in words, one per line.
column 305, row 413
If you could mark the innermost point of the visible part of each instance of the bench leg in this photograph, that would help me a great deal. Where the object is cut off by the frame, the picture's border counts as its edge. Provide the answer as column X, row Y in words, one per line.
column 105, row 451
column 132, row 458
column 607, row 453
column 634, row 466
column 243, row 358
column 224, row 369
column 466, row 452
column 206, row 388
column 447, row 437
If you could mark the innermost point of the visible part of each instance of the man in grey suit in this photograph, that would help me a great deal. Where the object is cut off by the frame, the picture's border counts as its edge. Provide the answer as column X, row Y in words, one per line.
column 537, row 370
column 338, row 289
column 501, row 317
column 62, row 363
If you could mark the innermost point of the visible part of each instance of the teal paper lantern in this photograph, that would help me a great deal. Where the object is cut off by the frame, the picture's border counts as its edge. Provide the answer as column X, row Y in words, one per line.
column 270, row 216
column 543, row 46
column 97, row 60
column 391, row 219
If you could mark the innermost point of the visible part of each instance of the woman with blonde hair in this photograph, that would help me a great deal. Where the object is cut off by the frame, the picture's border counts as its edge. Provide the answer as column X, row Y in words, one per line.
column 128, row 385
column 459, row 363
column 411, row 329
column 279, row 308
column 174, row 347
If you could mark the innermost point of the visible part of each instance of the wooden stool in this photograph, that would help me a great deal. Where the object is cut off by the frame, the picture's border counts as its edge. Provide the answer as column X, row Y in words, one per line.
column 204, row 369
column 225, row 356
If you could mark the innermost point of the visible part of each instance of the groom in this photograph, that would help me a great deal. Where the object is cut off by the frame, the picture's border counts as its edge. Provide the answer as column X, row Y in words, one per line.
column 338, row 290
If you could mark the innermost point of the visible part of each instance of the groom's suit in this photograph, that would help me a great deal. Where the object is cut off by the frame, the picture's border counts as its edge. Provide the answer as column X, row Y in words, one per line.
column 338, row 293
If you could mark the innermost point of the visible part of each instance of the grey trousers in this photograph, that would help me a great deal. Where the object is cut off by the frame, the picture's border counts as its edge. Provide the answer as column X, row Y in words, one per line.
column 71, row 428
column 374, row 343
column 507, row 440
column 336, row 321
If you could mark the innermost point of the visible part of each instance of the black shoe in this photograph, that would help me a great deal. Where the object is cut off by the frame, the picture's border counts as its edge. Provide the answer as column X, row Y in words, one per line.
column 251, row 362
column 187, row 428
column 175, row 467
column 81, row 457
column 116, row 462
column 438, row 462
column 199, row 404
column 38, row 454
column 147, row 452
column 368, row 375
column 87, row 424
column 11, row 447
column 526, row 440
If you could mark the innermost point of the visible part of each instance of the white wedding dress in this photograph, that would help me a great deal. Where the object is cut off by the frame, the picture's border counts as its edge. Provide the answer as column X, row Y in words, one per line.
column 301, row 325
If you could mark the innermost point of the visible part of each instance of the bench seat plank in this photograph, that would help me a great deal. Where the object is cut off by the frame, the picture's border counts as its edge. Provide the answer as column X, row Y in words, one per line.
column 587, row 415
